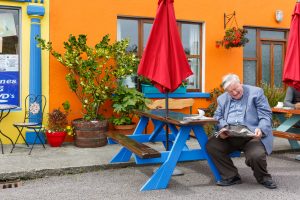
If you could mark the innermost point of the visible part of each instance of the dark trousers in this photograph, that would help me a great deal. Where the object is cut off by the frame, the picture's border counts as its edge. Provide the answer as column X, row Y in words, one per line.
column 255, row 153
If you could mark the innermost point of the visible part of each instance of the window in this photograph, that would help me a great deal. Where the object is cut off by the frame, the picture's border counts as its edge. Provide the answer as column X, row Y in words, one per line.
column 137, row 30
column 9, row 55
column 264, row 56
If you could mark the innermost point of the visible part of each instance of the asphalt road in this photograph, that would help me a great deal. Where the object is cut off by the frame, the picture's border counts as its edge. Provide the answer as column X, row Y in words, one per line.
column 196, row 183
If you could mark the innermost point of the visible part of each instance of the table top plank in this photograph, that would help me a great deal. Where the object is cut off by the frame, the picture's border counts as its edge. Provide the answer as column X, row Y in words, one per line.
column 287, row 111
column 175, row 118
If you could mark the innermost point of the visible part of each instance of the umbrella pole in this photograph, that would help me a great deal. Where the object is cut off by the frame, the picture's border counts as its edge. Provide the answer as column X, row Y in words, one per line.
column 167, row 126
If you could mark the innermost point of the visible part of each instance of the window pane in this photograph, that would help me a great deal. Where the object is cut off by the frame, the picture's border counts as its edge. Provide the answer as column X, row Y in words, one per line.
column 250, row 72
column 193, row 80
column 128, row 28
column 147, row 29
column 250, row 47
column 265, row 63
column 9, row 56
column 190, row 36
column 272, row 34
column 278, row 65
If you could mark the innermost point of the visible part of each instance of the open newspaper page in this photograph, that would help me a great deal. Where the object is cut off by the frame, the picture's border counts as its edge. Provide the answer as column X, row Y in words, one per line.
column 237, row 131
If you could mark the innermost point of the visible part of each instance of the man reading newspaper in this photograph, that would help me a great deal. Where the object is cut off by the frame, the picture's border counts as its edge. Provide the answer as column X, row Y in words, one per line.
column 242, row 110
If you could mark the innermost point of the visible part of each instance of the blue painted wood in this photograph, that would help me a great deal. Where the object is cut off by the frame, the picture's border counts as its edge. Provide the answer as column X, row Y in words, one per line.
column 202, row 139
column 35, row 10
column 161, row 178
column 186, row 155
column 174, row 95
column 123, row 156
column 286, row 126
column 178, row 152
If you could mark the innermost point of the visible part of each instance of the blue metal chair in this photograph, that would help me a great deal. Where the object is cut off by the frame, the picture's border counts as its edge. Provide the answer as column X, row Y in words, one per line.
column 33, row 120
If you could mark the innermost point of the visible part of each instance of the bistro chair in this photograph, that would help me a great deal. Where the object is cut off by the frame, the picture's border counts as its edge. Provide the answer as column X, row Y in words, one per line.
column 33, row 119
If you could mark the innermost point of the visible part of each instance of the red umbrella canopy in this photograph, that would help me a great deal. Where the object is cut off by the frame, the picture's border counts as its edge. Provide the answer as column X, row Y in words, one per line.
column 291, row 72
column 164, row 61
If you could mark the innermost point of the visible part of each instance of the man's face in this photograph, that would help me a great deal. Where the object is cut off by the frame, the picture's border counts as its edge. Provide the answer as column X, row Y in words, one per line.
column 235, row 90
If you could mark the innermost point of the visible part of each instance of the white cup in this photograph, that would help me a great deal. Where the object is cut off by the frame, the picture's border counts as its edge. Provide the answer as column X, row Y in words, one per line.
column 201, row 113
column 279, row 105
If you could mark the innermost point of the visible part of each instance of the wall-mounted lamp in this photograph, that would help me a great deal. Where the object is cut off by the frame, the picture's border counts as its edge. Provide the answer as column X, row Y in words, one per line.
column 278, row 15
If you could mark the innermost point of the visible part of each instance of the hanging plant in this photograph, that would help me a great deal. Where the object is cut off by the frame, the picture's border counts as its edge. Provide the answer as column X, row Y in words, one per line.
column 234, row 37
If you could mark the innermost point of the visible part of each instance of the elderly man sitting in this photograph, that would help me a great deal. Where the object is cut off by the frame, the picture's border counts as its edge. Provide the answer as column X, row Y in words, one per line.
column 242, row 106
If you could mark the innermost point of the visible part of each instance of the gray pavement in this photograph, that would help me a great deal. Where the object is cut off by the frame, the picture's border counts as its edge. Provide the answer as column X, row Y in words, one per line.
column 69, row 159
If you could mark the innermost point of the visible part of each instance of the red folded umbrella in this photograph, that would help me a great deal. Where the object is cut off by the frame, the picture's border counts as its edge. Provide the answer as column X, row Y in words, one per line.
column 291, row 71
column 164, row 61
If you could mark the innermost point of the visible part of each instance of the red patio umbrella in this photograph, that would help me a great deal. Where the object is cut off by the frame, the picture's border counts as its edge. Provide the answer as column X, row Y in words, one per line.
column 291, row 71
column 164, row 61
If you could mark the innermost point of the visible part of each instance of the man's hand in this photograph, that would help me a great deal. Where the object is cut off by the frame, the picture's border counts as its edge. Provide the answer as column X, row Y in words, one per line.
column 223, row 133
column 258, row 133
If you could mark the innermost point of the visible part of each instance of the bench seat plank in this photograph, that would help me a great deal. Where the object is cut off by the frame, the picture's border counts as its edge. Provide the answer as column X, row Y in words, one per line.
column 287, row 135
column 141, row 150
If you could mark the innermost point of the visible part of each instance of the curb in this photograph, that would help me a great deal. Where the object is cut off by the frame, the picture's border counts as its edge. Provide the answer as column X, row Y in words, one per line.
column 34, row 174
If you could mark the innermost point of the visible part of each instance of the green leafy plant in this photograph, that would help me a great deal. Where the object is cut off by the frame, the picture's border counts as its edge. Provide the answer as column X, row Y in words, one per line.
column 234, row 37
column 57, row 119
column 273, row 94
column 92, row 70
column 125, row 101
column 214, row 94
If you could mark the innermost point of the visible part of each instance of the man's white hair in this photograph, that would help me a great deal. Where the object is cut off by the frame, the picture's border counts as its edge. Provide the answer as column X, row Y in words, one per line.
column 229, row 79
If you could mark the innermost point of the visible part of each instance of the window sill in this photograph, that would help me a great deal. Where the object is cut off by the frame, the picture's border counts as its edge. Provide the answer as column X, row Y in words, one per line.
column 179, row 95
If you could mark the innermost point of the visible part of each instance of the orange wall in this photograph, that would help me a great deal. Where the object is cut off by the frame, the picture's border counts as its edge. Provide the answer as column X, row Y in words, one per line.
column 99, row 17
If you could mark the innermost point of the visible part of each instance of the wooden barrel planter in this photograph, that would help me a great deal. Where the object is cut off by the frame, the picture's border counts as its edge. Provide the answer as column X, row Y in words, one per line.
column 90, row 134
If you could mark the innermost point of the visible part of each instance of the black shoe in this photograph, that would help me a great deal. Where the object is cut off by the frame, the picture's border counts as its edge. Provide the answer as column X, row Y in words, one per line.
column 270, row 184
column 230, row 181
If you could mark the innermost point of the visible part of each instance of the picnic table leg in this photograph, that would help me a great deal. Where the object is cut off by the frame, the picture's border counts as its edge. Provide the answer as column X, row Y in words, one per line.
column 124, row 154
column 286, row 125
column 202, row 139
column 162, row 176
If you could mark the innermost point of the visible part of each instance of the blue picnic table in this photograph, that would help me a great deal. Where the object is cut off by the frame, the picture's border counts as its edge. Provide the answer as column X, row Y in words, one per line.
column 180, row 128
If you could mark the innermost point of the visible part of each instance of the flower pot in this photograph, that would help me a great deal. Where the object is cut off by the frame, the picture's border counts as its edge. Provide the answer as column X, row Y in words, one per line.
column 150, row 89
column 90, row 134
column 55, row 139
column 125, row 129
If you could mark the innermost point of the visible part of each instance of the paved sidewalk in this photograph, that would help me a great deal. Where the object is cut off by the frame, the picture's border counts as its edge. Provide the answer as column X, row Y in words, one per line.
column 69, row 159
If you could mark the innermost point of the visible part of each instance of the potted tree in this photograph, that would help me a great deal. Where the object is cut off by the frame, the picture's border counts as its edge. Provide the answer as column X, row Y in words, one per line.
column 57, row 125
column 125, row 100
column 91, row 76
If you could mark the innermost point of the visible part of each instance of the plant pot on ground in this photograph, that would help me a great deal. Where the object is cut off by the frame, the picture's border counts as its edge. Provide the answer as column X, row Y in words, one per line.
column 57, row 126
column 125, row 101
column 91, row 74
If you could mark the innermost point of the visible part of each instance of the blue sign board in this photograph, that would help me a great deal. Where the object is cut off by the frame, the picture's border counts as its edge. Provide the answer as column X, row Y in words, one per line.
column 9, row 88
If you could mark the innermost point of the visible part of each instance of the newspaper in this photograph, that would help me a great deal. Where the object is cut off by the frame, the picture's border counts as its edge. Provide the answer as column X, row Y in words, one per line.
column 236, row 131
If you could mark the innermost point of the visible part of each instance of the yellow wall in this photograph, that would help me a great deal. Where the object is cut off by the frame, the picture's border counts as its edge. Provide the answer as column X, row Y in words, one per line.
column 18, row 115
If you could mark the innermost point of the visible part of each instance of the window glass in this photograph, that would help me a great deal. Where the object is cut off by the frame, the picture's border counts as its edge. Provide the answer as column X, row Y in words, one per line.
column 250, row 72
column 278, row 65
column 266, row 64
column 128, row 28
column 138, row 31
column 272, row 34
column 193, row 80
column 147, row 30
column 190, row 38
column 250, row 47
column 9, row 56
